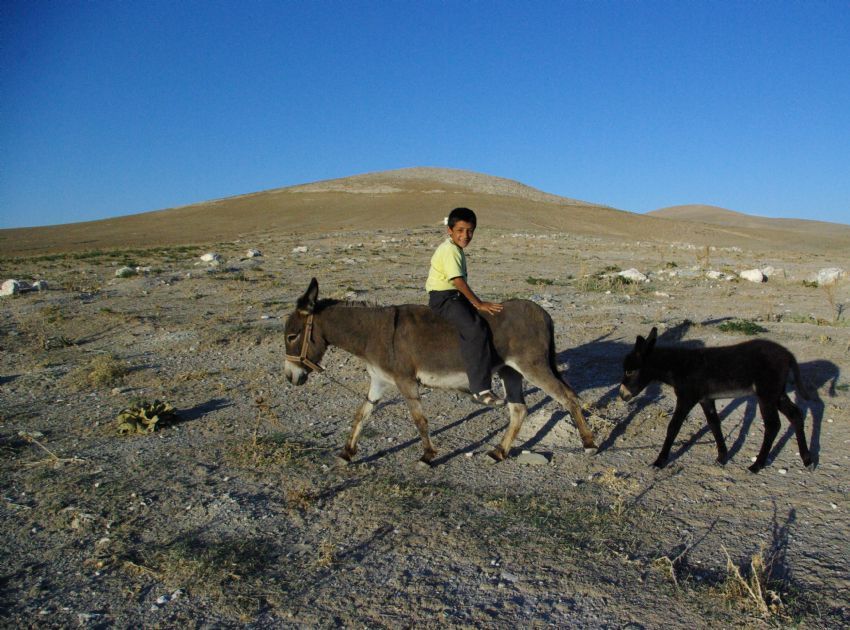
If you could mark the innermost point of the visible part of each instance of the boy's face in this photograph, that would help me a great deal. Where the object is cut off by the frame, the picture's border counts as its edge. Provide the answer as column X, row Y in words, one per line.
column 461, row 233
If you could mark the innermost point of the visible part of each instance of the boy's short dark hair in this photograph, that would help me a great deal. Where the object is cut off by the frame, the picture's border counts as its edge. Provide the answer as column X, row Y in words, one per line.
column 462, row 214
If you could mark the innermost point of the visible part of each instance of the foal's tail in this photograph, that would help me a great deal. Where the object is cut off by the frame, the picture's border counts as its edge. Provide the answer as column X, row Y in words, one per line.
column 798, row 380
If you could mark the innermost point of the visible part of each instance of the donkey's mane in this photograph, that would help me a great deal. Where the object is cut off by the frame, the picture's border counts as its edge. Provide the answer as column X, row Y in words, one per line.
column 328, row 302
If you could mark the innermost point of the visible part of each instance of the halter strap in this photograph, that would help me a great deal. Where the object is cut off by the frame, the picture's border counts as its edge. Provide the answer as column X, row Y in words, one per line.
column 302, row 358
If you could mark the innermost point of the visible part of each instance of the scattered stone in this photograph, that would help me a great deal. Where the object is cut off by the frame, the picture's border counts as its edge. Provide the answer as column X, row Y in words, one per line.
column 301, row 249
column 125, row 272
column 661, row 294
column 719, row 275
column 753, row 275
column 253, row 253
column 769, row 271
column 211, row 257
column 162, row 600
column 508, row 577
column 634, row 275
column 830, row 275
column 532, row 459
column 10, row 287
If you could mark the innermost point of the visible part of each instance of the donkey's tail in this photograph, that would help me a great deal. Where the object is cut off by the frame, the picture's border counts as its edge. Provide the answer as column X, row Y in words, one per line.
column 553, row 360
column 802, row 389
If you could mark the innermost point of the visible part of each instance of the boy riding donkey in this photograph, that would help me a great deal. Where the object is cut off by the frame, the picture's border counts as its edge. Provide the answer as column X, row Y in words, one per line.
column 451, row 297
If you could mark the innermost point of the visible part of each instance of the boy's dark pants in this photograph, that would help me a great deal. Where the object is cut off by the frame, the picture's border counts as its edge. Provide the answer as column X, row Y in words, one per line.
column 475, row 346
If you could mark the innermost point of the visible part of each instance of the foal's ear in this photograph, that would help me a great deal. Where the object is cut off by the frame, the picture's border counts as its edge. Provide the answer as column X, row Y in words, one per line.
column 307, row 302
column 650, row 342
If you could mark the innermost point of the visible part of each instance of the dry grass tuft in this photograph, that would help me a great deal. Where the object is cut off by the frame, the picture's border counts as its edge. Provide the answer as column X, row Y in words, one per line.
column 751, row 592
column 102, row 371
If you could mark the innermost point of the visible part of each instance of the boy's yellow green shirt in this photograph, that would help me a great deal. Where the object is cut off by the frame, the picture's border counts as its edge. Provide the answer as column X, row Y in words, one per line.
column 447, row 262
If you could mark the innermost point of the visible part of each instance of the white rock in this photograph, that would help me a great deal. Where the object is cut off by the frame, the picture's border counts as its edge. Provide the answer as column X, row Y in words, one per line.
column 301, row 249
column 125, row 272
column 40, row 285
column 768, row 271
column 10, row 287
column 753, row 275
column 253, row 253
column 829, row 275
column 634, row 275
column 211, row 257
column 532, row 459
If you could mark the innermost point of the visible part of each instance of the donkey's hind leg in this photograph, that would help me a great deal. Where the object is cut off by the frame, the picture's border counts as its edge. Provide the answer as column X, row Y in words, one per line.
column 377, row 387
column 518, row 410
column 543, row 377
column 714, row 424
column 795, row 415
column 770, row 415
column 410, row 391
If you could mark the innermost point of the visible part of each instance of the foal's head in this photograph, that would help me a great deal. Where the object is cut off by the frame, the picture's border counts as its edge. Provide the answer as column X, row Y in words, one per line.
column 635, row 378
column 304, row 348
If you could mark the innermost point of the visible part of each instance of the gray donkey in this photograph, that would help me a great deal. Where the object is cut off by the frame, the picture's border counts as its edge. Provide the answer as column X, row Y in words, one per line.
column 408, row 345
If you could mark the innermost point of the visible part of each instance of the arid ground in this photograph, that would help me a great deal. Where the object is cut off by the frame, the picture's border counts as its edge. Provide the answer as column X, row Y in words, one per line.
column 235, row 512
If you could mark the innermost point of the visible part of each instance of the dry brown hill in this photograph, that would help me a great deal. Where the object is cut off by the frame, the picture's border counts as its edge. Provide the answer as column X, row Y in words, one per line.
column 828, row 234
column 405, row 198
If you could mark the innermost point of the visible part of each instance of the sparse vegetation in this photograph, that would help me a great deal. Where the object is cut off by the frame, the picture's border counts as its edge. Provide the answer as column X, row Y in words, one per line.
column 742, row 327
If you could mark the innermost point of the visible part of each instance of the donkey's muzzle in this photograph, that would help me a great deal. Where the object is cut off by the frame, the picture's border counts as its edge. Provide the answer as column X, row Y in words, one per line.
column 625, row 394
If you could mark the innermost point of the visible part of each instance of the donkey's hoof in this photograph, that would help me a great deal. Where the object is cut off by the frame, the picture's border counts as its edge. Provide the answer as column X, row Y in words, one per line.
column 497, row 454
column 812, row 465
column 592, row 449
column 341, row 462
column 424, row 464
column 755, row 468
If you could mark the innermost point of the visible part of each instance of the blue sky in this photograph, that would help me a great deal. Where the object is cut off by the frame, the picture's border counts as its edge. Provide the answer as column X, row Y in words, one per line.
column 111, row 108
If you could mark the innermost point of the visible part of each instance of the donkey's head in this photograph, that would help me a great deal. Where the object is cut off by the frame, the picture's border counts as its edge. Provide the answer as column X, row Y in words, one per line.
column 635, row 376
column 305, row 346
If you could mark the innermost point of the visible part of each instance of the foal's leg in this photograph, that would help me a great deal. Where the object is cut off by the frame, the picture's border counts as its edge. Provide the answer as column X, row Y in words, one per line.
column 683, row 408
column 714, row 424
column 410, row 390
column 543, row 377
column 518, row 410
column 377, row 387
column 795, row 415
column 770, row 415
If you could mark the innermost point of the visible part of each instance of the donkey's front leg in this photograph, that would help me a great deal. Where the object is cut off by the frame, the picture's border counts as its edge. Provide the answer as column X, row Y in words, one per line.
column 683, row 407
column 377, row 387
column 410, row 391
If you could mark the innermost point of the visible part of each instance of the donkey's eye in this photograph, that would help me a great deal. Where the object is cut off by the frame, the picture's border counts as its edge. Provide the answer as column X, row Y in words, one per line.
column 630, row 373
column 291, row 338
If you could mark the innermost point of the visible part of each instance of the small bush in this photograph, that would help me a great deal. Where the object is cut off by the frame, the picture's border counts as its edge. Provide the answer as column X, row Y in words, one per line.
column 742, row 326
column 538, row 281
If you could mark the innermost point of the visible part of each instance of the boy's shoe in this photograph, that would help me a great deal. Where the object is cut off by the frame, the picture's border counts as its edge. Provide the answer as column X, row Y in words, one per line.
column 488, row 398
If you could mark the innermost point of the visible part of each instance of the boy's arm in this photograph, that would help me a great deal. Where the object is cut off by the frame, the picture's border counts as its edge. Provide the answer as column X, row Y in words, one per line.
column 464, row 288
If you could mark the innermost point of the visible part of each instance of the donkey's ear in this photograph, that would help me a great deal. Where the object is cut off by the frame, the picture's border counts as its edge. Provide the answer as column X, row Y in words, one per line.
column 640, row 342
column 650, row 342
column 307, row 302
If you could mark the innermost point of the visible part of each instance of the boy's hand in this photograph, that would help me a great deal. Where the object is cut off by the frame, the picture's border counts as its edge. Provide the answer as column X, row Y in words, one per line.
column 490, row 307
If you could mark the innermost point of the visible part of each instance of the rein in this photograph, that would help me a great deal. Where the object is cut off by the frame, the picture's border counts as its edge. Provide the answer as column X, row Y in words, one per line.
column 302, row 358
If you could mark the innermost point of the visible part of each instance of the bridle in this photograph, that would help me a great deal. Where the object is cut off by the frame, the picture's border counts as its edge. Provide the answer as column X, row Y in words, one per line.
column 302, row 359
